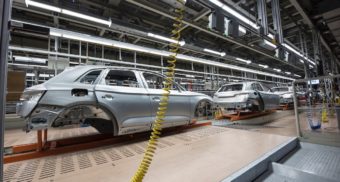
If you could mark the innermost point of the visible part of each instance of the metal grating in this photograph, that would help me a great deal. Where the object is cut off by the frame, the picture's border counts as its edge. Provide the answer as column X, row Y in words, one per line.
column 11, row 171
column 125, row 151
column 29, row 171
column 50, row 168
column 99, row 157
column 112, row 154
column 67, row 164
column 84, row 161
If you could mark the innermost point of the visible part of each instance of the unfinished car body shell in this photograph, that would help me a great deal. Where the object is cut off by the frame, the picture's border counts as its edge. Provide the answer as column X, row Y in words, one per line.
column 245, row 97
column 111, row 99
column 285, row 93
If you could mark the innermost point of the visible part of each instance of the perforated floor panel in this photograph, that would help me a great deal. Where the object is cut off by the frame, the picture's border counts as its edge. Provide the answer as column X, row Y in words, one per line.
column 180, row 157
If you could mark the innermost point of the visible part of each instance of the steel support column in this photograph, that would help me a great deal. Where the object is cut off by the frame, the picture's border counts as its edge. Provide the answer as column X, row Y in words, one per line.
column 305, row 66
column 262, row 13
column 277, row 26
column 5, row 11
column 317, row 54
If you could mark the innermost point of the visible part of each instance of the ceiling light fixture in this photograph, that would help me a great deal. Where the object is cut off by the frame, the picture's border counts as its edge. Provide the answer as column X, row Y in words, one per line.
column 234, row 13
column 264, row 66
column 243, row 60
column 214, row 52
column 29, row 59
column 181, row 43
column 242, row 29
column 269, row 43
column 278, row 70
column 288, row 72
column 297, row 75
column 298, row 53
column 43, row 6
column 67, row 12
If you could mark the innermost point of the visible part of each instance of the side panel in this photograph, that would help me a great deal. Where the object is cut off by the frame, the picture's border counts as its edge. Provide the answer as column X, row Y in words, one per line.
column 61, row 95
column 178, row 112
column 130, row 106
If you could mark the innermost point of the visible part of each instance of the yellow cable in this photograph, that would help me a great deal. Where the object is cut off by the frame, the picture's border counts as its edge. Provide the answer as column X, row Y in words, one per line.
column 163, row 105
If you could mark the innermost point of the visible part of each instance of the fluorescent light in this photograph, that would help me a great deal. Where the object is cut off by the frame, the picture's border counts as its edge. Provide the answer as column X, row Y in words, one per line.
column 243, row 60
column 269, row 43
column 68, row 12
column 298, row 53
column 288, row 72
column 43, row 6
column 301, row 61
column 181, row 43
column 30, row 59
column 297, row 75
column 310, row 66
column 264, row 66
column 234, row 13
column 87, row 38
column 44, row 75
column 242, row 29
column 215, row 52
column 278, row 70
column 56, row 34
column 190, row 76
column 86, row 17
column 270, row 36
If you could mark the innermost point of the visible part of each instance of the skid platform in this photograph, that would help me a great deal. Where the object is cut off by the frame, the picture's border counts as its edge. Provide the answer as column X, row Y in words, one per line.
column 241, row 115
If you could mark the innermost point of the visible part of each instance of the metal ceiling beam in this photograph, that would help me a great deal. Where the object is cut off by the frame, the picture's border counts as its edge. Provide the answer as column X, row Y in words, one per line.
column 148, row 6
column 310, row 23
column 198, row 17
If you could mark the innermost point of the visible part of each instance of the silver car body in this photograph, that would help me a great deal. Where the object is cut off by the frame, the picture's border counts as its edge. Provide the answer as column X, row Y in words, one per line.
column 285, row 93
column 95, row 95
column 245, row 96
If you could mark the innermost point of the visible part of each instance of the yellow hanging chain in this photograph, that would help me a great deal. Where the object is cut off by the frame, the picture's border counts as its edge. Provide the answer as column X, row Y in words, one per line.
column 163, row 105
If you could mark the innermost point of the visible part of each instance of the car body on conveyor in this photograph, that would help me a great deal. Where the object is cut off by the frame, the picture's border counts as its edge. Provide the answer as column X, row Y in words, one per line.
column 245, row 97
column 286, row 94
column 116, row 100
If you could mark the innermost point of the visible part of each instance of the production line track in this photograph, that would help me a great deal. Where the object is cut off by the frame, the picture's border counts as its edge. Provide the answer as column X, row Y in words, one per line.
column 44, row 147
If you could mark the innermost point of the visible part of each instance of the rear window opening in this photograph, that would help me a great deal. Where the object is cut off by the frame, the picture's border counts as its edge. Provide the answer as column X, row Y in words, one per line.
column 90, row 77
column 121, row 78
column 234, row 87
